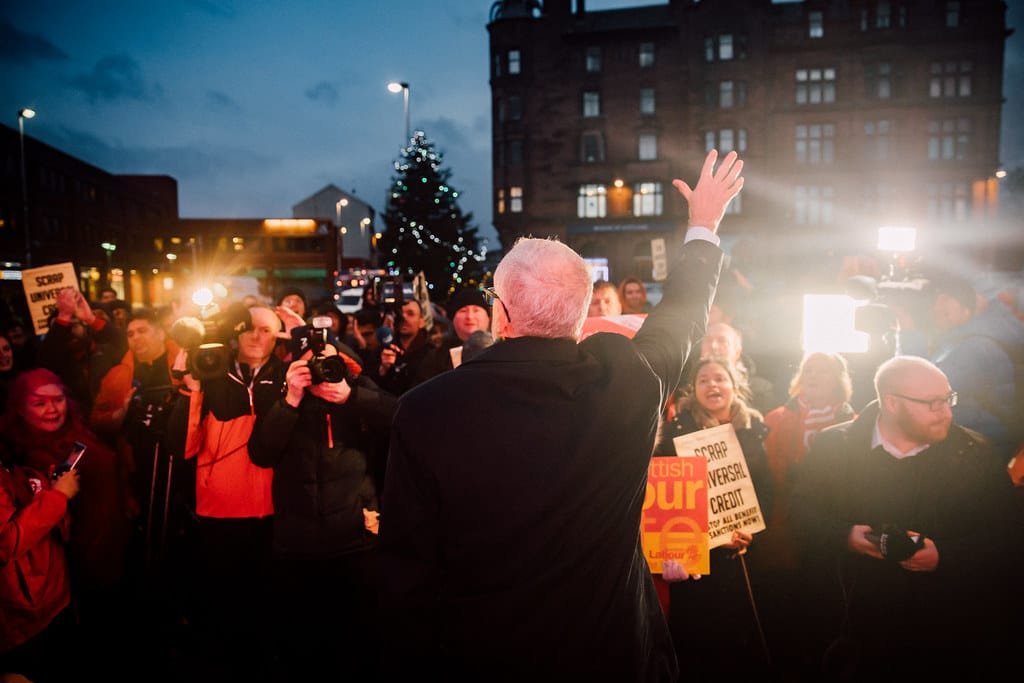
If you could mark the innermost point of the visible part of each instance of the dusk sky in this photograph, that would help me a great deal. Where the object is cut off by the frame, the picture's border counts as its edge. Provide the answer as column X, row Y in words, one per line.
column 255, row 105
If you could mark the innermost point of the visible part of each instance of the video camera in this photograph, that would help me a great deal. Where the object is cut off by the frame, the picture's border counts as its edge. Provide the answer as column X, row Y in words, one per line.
column 206, row 360
column 313, row 337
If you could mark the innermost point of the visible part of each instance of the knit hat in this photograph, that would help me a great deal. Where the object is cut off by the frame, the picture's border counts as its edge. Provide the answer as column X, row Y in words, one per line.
column 294, row 291
column 466, row 296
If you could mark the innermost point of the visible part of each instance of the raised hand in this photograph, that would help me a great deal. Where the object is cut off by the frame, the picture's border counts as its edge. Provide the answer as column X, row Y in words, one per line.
column 714, row 190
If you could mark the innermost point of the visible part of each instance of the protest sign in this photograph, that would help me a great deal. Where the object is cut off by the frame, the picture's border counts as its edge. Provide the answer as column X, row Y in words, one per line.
column 674, row 521
column 41, row 286
column 732, row 502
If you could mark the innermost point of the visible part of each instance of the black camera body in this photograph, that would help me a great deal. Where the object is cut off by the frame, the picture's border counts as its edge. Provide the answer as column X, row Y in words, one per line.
column 205, row 360
column 895, row 543
column 313, row 337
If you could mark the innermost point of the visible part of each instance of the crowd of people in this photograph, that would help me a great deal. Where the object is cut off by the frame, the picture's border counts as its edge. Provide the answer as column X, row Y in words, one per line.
column 392, row 494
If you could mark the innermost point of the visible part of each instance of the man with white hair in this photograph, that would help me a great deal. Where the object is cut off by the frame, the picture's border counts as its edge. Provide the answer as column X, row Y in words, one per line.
column 511, row 551
column 911, row 536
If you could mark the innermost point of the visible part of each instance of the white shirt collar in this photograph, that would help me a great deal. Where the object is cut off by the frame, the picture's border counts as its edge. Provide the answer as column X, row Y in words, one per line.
column 878, row 440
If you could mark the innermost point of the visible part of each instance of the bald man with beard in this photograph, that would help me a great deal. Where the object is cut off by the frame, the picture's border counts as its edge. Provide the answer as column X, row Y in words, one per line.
column 911, row 536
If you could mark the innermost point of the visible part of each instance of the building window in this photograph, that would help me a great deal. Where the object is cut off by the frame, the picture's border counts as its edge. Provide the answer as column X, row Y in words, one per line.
column 876, row 140
column 730, row 94
column 501, row 200
column 497, row 66
column 646, row 100
column 883, row 84
column 816, row 24
column 592, row 201
column 726, row 140
column 515, row 196
column 500, row 106
column 952, row 14
column 593, row 60
column 878, row 199
column 948, row 139
column 646, row 55
column 883, row 17
column 591, row 104
column 592, row 147
column 648, row 147
column 725, row 95
column 647, row 199
column 950, row 79
column 814, row 143
column 815, row 86
column 515, row 107
column 725, row 47
column 948, row 202
column 514, row 63
column 515, row 152
column 813, row 204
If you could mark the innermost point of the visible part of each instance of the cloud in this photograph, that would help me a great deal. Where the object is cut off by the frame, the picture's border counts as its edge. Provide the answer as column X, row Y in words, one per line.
column 18, row 47
column 222, row 102
column 323, row 92
column 186, row 163
column 115, row 77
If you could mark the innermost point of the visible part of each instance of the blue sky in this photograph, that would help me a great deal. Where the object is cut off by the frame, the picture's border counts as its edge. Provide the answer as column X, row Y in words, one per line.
column 254, row 105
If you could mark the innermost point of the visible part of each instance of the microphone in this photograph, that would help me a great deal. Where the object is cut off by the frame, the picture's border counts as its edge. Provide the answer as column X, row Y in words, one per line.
column 385, row 336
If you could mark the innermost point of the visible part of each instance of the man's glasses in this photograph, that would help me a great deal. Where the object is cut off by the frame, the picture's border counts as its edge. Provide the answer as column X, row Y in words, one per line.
column 934, row 404
column 491, row 296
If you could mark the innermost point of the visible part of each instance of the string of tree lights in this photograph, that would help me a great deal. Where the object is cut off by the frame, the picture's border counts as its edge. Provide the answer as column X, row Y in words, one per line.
column 425, row 228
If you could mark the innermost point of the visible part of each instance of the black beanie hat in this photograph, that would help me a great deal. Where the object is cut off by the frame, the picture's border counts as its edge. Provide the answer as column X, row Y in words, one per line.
column 466, row 296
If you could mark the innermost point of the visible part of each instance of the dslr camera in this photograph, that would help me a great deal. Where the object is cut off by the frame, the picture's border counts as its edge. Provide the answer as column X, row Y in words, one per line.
column 313, row 337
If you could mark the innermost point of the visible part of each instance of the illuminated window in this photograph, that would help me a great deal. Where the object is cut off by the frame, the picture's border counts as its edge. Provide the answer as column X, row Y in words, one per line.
column 593, row 60
column 592, row 201
column 501, row 200
column 515, row 196
column 591, row 104
column 882, row 15
column 647, row 199
column 726, row 140
column 815, row 86
column 725, row 47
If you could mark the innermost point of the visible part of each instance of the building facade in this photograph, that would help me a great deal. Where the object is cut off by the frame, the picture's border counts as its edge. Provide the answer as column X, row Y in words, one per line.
column 850, row 115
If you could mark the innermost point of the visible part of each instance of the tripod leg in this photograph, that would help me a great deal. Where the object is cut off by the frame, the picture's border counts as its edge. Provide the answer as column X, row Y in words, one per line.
column 149, row 507
column 167, row 504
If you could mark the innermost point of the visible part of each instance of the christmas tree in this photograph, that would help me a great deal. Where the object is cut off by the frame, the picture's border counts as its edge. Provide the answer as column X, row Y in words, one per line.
column 425, row 228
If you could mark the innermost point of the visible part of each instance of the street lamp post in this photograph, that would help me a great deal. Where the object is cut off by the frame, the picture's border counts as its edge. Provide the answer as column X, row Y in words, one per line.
column 110, row 248
column 22, row 115
column 339, row 232
column 402, row 87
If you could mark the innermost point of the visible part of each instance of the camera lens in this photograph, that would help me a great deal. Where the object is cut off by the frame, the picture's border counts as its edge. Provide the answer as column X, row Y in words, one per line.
column 328, row 369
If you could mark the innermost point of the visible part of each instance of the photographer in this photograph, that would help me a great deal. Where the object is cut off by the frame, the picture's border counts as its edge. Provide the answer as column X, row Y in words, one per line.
column 318, row 439
column 910, row 537
column 225, row 387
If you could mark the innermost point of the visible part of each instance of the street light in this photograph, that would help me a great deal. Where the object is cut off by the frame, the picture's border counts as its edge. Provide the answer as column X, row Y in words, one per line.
column 110, row 248
column 400, row 87
column 22, row 115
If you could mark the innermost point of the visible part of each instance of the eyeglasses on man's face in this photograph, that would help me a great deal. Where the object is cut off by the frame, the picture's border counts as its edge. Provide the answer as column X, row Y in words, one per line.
column 491, row 296
column 934, row 404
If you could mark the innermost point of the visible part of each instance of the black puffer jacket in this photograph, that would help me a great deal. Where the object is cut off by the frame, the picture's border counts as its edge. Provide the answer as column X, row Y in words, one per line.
column 321, row 455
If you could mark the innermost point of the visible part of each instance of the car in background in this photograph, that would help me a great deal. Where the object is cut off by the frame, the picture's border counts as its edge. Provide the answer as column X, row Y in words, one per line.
column 350, row 299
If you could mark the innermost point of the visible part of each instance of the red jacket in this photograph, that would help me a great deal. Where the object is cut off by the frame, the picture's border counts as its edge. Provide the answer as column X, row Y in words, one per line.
column 34, row 583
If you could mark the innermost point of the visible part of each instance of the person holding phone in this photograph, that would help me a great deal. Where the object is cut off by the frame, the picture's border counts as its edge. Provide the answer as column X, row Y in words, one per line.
column 41, row 427
column 36, row 636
